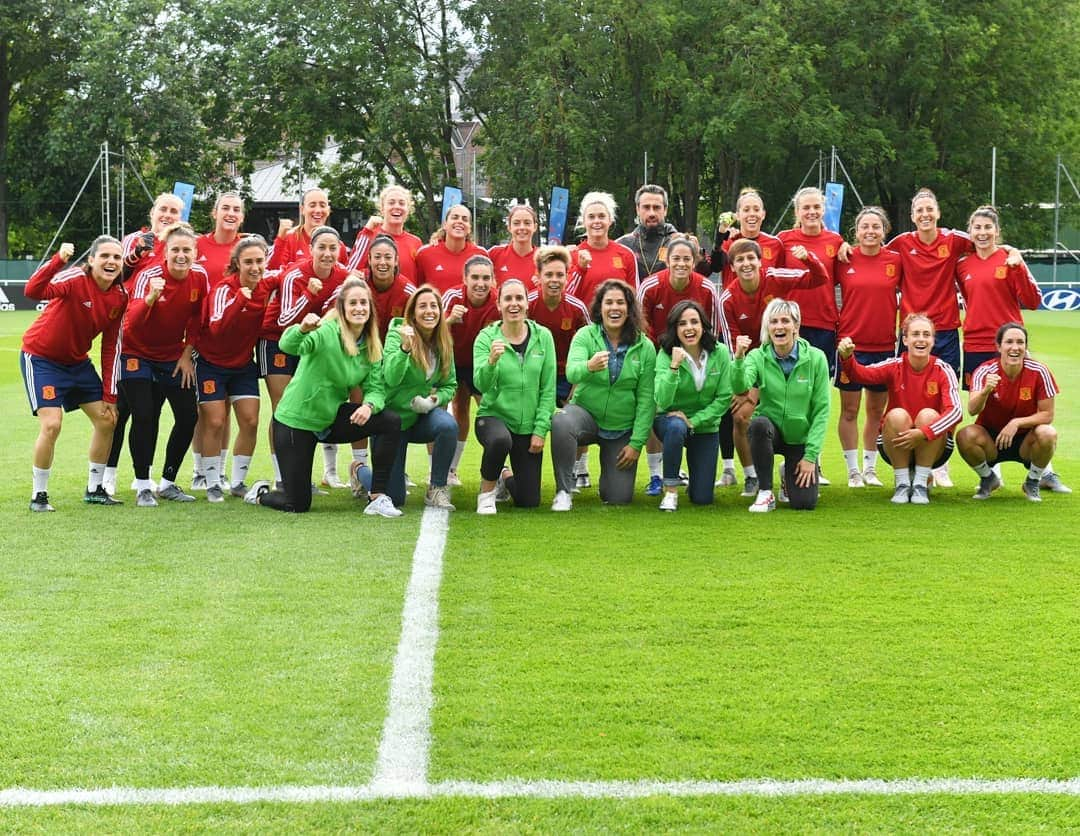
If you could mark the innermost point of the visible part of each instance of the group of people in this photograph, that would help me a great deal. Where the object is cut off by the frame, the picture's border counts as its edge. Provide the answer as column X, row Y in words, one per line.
column 627, row 344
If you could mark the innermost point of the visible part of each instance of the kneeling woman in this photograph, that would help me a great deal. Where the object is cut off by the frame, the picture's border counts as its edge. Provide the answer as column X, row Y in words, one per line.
column 420, row 381
column 611, row 364
column 692, row 392
column 1012, row 399
column 922, row 409
column 514, row 370
column 341, row 354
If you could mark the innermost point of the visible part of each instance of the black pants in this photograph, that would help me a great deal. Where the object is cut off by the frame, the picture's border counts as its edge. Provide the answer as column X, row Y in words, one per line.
column 766, row 441
column 295, row 451
column 498, row 443
column 123, row 413
column 145, row 399
column 727, row 438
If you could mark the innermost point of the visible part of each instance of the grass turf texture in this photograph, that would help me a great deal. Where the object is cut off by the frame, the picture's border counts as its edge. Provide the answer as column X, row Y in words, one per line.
column 194, row 645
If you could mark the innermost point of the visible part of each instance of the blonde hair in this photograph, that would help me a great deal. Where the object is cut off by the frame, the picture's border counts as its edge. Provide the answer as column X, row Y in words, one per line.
column 605, row 199
column 369, row 334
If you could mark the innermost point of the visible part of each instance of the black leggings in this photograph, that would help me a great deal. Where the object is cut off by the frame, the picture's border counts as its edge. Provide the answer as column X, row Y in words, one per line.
column 123, row 413
column 295, row 451
column 498, row 443
column 145, row 399
column 727, row 439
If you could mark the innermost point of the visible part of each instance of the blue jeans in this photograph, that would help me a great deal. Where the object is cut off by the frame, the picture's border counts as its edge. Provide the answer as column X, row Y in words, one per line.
column 438, row 427
column 702, row 450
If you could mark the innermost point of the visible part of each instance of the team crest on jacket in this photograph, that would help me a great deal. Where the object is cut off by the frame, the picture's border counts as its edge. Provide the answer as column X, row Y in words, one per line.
column 830, row 250
column 661, row 254
column 566, row 324
column 890, row 270
column 1000, row 273
column 1025, row 393
column 194, row 294
column 767, row 252
column 943, row 251
column 115, row 312
column 616, row 261
column 931, row 387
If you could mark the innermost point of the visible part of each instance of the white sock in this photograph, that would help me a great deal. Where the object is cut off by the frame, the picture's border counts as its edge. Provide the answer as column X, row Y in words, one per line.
column 276, row 466
column 902, row 475
column 41, row 480
column 329, row 454
column 240, row 465
column 750, row 472
column 728, row 464
column 360, row 456
column 1035, row 472
column 197, row 467
column 922, row 475
column 457, row 456
column 851, row 458
column 581, row 466
column 165, row 483
column 997, row 471
column 656, row 463
column 983, row 469
column 224, row 459
column 110, row 475
column 142, row 485
column 869, row 459
column 97, row 472
column 212, row 469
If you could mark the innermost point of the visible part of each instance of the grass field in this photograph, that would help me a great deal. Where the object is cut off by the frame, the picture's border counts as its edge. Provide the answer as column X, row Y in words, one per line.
column 201, row 646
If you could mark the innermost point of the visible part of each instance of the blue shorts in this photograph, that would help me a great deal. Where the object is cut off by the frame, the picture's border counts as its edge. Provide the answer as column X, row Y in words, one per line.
column 156, row 371
column 52, row 384
column 946, row 347
column 272, row 360
column 216, row 383
column 824, row 340
column 972, row 361
column 865, row 358
column 946, row 454
column 562, row 390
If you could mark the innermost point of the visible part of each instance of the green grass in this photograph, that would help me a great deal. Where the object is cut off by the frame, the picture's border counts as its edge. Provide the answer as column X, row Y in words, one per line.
column 198, row 645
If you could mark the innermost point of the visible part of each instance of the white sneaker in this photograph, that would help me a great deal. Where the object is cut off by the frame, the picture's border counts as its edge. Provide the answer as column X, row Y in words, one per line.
column 452, row 480
column 727, row 478
column 256, row 490
column 485, row 503
column 110, row 486
column 214, row 493
column 562, row 502
column 581, row 481
column 198, row 481
column 764, row 503
column 942, row 478
column 670, row 501
column 331, row 479
column 870, row 478
column 821, row 477
column 382, row 506
column 502, row 493
column 439, row 498
column 855, row 479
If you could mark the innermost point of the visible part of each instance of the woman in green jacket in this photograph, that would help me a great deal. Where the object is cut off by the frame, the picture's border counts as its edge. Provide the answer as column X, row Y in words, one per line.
column 514, row 370
column 611, row 365
column 692, row 393
column 793, row 381
column 338, row 357
column 418, row 371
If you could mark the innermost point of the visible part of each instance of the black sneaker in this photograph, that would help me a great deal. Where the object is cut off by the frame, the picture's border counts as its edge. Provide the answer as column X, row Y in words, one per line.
column 99, row 497
column 40, row 502
column 1031, row 490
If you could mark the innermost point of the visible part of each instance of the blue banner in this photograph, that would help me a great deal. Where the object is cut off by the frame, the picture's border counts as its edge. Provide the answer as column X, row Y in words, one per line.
column 451, row 197
column 560, row 201
column 186, row 192
column 834, row 205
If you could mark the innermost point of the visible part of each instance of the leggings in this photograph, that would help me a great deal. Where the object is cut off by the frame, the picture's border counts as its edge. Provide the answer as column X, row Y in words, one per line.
column 123, row 413
column 145, row 398
column 296, row 449
column 498, row 443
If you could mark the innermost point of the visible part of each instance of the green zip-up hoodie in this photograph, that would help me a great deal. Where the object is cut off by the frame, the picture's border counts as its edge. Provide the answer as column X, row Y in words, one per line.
column 675, row 390
column 404, row 380
column 799, row 404
column 624, row 405
column 518, row 390
column 325, row 377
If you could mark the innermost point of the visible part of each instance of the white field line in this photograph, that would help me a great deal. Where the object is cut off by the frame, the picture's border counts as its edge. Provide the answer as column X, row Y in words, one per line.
column 402, row 764
column 764, row 788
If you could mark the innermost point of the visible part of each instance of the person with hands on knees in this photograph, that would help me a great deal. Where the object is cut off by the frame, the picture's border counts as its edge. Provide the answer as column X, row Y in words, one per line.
column 420, row 381
column 792, row 413
column 1012, row 399
column 612, row 367
column 692, row 392
column 339, row 357
column 84, row 301
column 921, row 411
column 514, row 370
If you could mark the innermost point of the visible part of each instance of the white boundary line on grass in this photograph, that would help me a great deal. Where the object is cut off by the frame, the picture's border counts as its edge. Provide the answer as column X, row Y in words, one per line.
column 764, row 788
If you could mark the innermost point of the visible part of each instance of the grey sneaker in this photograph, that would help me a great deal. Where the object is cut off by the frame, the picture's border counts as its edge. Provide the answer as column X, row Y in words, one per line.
column 439, row 498
column 1031, row 489
column 1052, row 482
column 502, row 494
column 174, row 494
column 582, row 481
column 239, row 489
column 901, row 495
column 987, row 485
column 727, row 479
column 40, row 502
column 145, row 499
column 920, row 495
column 750, row 486
column 215, row 494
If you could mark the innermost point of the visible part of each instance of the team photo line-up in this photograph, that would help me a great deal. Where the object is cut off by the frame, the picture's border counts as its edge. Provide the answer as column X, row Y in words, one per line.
column 627, row 344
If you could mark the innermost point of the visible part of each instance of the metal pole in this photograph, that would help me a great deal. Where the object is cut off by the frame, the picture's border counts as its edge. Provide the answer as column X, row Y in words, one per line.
column 106, row 226
column 832, row 165
column 645, row 173
column 74, row 203
column 993, row 176
column 1057, row 213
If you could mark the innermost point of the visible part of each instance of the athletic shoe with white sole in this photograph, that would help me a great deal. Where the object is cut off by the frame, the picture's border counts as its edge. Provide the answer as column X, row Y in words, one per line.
column 382, row 506
column 360, row 476
column 901, row 495
column 821, row 480
column 99, row 497
column 582, row 481
column 215, row 494
column 670, row 502
column 764, row 503
column 238, row 490
column 1052, row 482
column 502, row 493
column 920, row 495
column 331, row 479
column 110, row 486
column 727, row 478
column 855, row 479
column 870, row 478
column 439, row 498
column 750, row 486
column 40, row 502
column 173, row 494
column 987, row 485
column 485, row 503
column 562, row 502
column 1031, row 490
column 942, row 478
column 256, row 490
column 198, row 481
column 453, row 480
column 145, row 499
column 656, row 484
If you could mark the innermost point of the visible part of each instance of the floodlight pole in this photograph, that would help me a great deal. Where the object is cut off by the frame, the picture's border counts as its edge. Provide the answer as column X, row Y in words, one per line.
column 1057, row 214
